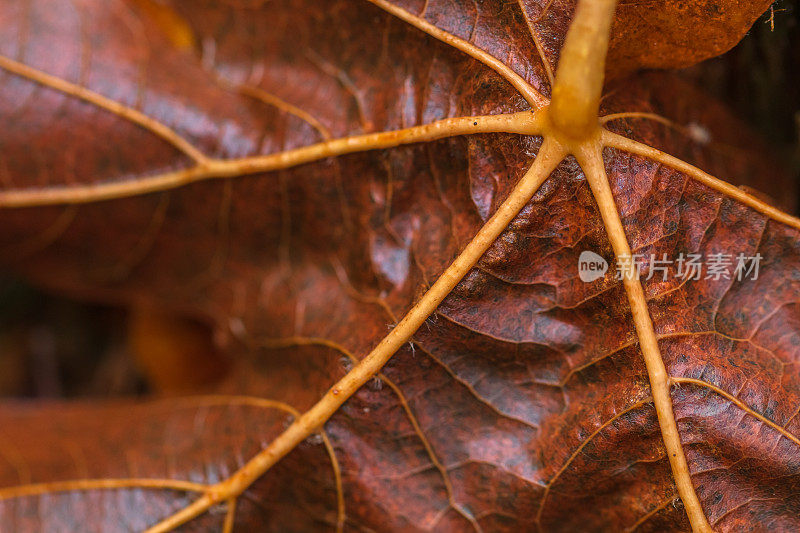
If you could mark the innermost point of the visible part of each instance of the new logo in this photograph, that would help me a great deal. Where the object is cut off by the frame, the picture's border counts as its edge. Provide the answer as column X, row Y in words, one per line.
column 591, row 266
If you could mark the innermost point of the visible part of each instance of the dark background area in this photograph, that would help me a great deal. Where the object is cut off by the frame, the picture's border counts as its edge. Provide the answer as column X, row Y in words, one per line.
column 760, row 80
column 53, row 347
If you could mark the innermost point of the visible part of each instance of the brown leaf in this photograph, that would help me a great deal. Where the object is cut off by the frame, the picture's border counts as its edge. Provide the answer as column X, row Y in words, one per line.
column 523, row 402
column 673, row 33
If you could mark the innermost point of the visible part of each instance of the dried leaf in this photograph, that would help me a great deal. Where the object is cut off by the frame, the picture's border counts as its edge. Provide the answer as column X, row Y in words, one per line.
column 523, row 402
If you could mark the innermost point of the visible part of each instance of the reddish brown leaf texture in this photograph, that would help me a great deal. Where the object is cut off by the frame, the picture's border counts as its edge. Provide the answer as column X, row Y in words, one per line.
column 523, row 402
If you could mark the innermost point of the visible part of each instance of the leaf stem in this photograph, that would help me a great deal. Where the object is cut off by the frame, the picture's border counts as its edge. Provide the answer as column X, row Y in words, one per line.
column 581, row 69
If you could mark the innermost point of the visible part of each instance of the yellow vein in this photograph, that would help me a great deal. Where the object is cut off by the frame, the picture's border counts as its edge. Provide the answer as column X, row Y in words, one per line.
column 431, row 454
column 643, row 115
column 591, row 161
column 696, row 137
column 533, row 97
column 537, row 41
column 743, row 504
column 44, row 239
column 660, row 507
column 35, row 489
column 268, row 98
column 139, row 251
column 230, row 516
column 613, row 140
column 87, row 95
column 523, row 122
column 483, row 401
column 10, row 453
column 337, row 478
column 741, row 405
column 580, row 448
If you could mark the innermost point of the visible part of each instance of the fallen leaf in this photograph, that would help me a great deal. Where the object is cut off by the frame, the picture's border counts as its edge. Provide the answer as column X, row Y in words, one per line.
column 177, row 136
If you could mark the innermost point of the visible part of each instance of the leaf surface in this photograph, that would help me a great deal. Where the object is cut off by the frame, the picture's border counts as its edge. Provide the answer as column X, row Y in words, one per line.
column 523, row 402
